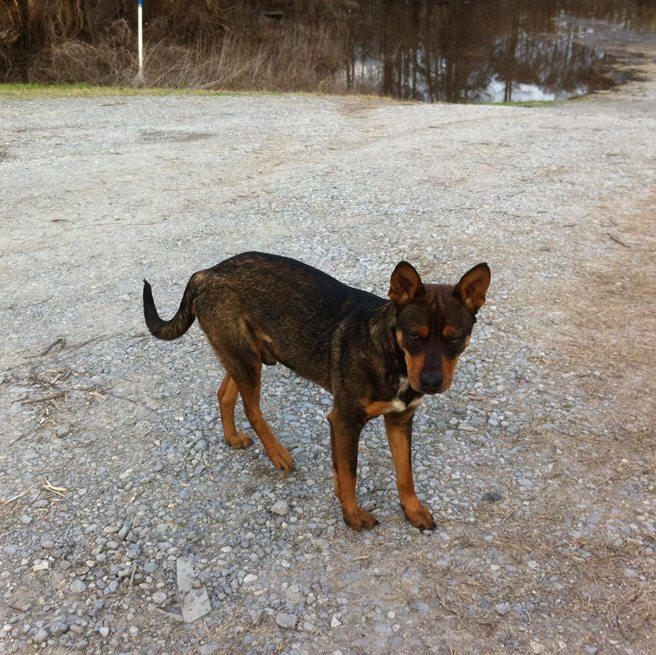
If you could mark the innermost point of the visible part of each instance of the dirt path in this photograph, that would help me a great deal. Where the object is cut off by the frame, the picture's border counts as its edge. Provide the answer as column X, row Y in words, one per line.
column 538, row 464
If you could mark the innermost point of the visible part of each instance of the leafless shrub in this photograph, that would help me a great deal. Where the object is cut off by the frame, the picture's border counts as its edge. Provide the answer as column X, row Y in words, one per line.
column 195, row 43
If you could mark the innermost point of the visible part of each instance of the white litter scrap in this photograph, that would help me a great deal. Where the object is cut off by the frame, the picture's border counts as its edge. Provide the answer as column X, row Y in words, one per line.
column 195, row 602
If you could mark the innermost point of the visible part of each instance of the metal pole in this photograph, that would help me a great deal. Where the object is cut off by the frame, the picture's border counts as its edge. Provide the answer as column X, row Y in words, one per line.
column 140, row 37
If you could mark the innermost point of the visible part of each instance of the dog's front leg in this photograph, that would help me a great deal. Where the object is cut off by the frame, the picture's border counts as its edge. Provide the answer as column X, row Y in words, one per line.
column 344, row 439
column 399, row 435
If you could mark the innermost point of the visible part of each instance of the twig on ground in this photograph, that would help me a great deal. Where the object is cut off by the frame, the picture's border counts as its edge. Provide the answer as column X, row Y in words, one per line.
column 616, row 240
column 48, row 486
column 20, row 495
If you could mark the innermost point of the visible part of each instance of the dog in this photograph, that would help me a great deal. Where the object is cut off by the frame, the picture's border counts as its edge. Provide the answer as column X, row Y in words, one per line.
column 376, row 357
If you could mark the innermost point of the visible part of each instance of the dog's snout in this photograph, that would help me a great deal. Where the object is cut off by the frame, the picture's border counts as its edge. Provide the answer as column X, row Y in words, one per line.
column 431, row 381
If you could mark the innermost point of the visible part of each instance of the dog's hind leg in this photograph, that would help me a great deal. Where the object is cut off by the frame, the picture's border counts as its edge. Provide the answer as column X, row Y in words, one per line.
column 249, row 388
column 227, row 397
column 241, row 356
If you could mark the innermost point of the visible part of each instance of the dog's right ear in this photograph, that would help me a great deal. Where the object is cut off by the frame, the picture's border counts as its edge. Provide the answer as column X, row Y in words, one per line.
column 405, row 284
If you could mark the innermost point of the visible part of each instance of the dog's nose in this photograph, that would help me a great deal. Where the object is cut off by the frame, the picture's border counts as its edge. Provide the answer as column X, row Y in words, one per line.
column 430, row 381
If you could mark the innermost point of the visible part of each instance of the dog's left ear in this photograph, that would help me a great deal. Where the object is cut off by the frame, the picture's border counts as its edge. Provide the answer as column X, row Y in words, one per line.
column 405, row 284
column 472, row 287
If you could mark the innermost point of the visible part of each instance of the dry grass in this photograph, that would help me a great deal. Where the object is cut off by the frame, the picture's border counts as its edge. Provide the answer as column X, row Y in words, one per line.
column 196, row 45
column 235, row 64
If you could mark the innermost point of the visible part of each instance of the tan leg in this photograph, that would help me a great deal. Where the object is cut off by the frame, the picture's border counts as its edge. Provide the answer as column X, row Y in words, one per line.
column 344, row 437
column 227, row 397
column 278, row 454
column 399, row 436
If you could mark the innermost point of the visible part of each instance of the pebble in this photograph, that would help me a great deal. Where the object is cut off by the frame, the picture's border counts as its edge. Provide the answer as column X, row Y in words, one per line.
column 285, row 620
column 280, row 507
column 502, row 608
column 160, row 597
column 78, row 586
column 58, row 628
column 200, row 446
column 41, row 636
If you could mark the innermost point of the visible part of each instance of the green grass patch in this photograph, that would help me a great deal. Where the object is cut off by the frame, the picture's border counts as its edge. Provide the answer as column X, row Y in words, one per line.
column 38, row 90
column 27, row 91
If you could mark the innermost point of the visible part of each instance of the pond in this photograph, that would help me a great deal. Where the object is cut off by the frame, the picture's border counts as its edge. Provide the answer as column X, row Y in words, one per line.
column 491, row 50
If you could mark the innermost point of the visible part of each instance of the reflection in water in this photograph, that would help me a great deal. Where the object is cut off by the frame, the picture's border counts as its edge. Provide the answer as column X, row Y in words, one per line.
column 486, row 50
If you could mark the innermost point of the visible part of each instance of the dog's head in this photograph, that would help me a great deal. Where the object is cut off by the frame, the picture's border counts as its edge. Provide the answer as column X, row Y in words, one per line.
column 434, row 323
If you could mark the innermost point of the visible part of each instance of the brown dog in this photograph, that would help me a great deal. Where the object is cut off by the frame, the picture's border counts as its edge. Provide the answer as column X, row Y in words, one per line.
column 375, row 356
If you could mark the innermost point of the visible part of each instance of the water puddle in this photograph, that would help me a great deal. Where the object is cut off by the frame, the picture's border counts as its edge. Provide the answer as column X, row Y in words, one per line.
column 492, row 50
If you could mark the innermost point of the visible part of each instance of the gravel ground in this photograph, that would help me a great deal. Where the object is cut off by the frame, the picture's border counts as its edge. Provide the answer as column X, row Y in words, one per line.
column 128, row 526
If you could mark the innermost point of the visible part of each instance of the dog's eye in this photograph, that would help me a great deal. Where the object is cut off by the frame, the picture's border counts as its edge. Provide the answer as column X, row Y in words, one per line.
column 414, row 336
column 453, row 341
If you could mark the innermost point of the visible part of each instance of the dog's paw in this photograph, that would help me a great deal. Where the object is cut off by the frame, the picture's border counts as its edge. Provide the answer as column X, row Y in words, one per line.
column 239, row 441
column 420, row 517
column 360, row 519
column 282, row 459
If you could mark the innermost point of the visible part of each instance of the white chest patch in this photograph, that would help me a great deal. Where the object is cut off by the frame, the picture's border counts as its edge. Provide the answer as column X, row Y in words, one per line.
column 397, row 405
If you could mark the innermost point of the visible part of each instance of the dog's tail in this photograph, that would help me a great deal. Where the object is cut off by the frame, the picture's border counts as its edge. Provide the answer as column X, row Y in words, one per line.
column 184, row 317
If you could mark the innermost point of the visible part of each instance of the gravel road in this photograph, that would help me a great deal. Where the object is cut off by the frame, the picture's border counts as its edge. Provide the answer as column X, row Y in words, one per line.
column 128, row 526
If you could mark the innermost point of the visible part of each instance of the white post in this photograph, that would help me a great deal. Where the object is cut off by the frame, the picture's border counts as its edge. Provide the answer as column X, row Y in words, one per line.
column 140, row 37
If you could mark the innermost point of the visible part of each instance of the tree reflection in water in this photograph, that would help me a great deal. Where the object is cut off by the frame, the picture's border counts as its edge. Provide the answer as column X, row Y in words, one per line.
column 485, row 51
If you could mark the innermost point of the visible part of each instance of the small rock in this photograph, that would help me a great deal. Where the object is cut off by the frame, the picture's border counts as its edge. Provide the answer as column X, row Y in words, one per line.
column 537, row 647
column 103, row 631
column 502, row 608
column 58, row 628
column 285, row 620
column 280, row 507
column 40, row 636
column 159, row 597
column 200, row 446
column 249, row 577
column 335, row 622
column 208, row 649
column 77, row 587
column 256, row 616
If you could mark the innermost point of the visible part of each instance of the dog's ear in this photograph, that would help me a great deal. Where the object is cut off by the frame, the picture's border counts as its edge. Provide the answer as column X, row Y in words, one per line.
column 405, row 284
column 472, row 287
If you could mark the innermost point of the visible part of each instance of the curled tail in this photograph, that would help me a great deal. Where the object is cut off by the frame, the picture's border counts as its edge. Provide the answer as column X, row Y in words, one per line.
column 184, row 317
